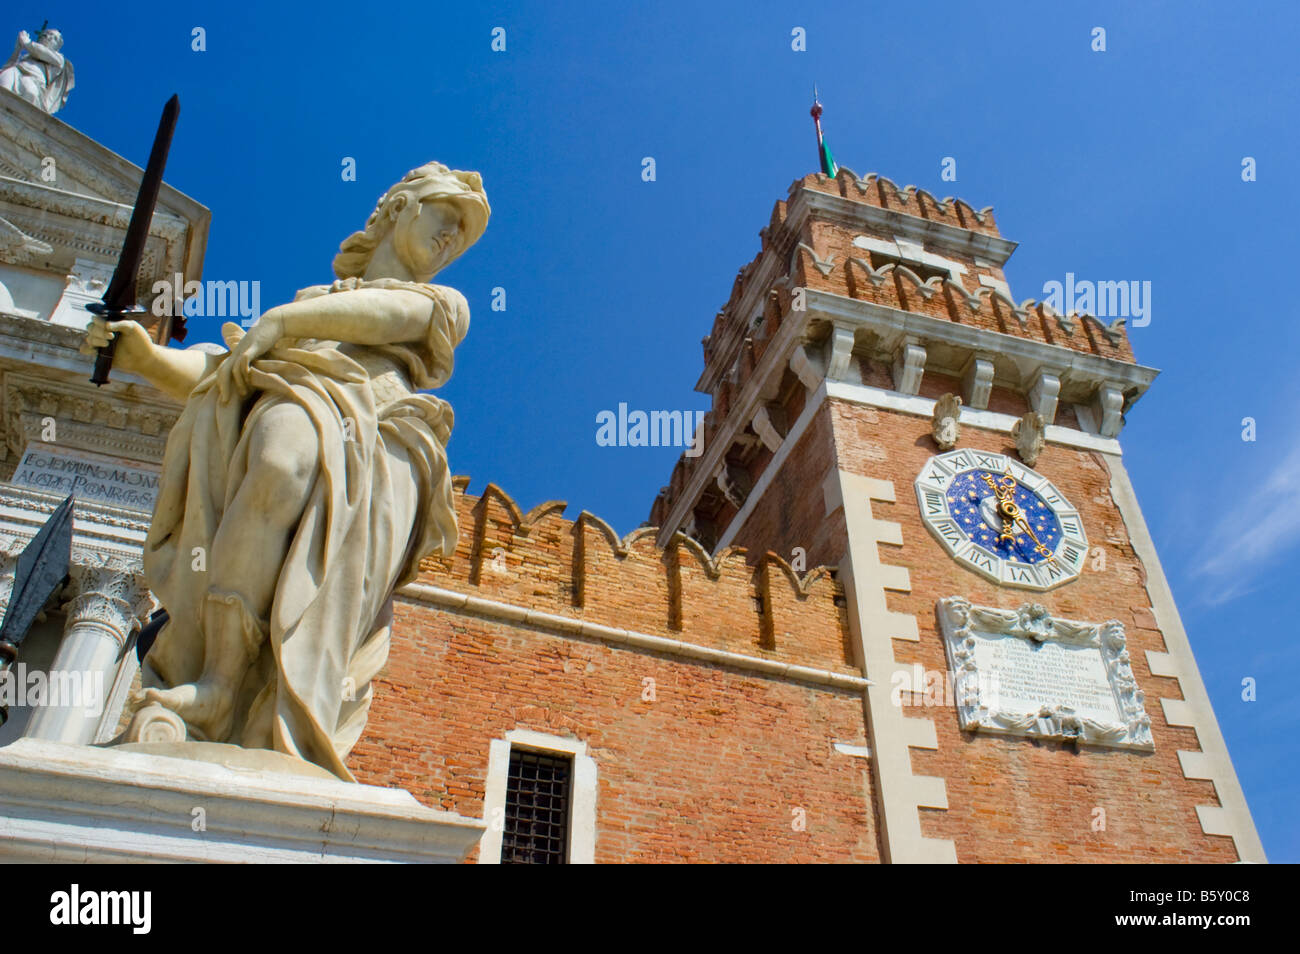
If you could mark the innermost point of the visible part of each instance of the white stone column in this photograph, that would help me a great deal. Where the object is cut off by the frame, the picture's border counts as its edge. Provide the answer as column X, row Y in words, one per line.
column 107, row 605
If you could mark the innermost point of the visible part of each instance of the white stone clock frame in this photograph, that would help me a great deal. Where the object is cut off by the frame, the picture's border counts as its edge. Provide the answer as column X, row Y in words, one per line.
column 932, row 497
column 962, row 623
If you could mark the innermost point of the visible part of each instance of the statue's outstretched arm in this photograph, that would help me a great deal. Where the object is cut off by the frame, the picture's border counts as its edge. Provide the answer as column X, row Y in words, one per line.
column 364, row 316
column 39, row 51
column 170, row 370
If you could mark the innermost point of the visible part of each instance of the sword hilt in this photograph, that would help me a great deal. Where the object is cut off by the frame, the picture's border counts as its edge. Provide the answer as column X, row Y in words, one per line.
column 104, row 355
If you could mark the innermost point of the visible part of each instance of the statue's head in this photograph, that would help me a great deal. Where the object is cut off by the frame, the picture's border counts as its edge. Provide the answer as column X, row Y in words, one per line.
column 432, row 216
column 51, row 40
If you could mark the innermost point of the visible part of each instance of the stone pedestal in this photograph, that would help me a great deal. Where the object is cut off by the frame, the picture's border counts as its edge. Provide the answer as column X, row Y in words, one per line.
column 74, row 803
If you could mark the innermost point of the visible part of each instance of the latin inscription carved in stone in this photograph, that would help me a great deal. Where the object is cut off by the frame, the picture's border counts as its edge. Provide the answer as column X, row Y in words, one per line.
column 108, row 480
column 1024, row 672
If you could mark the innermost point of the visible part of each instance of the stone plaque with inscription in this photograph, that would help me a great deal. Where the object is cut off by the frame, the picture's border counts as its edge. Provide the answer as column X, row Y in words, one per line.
column 1024, row 672
column 94, row 477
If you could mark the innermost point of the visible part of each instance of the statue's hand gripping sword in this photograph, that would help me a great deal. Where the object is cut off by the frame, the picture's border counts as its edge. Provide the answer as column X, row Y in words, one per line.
column 119, row 300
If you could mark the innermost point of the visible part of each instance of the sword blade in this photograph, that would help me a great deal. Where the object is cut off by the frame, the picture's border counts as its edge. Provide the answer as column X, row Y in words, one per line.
column 121, row 290
column 121, row 294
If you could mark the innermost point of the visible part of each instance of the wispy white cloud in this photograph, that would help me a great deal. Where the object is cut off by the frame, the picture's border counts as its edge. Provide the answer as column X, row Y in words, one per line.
column 1261, row 524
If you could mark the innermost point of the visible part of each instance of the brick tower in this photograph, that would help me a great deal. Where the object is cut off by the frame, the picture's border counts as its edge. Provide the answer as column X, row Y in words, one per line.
column 1033, row 695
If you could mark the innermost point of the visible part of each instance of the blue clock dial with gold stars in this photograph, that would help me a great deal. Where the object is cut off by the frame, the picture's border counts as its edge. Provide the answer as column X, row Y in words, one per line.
column 974, row 502
column 1001, row 519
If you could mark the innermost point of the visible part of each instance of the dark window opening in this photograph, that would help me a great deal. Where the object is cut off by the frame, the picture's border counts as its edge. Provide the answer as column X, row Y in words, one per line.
column 537, row 809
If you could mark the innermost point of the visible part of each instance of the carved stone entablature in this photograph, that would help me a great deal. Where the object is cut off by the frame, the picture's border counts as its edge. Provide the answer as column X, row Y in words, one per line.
column 17, row 247
column 1024, row 672
column 86, row 283
column 84, row 418
column 103, row 537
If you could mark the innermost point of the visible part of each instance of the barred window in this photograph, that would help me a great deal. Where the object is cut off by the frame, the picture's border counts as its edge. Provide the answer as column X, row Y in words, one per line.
column 537, row 809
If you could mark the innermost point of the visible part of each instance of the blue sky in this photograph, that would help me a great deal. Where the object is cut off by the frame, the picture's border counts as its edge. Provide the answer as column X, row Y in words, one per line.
column 1117, row 165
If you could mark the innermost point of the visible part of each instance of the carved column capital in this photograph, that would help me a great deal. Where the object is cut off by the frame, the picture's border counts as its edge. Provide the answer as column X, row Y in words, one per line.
column 109, row 600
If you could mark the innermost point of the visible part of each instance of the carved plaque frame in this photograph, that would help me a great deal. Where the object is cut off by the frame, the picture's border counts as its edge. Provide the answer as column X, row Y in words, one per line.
column 978, row 709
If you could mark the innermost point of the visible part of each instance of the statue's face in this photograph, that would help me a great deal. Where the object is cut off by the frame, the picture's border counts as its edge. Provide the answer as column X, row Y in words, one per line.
column 427, row 240
column 50, row 39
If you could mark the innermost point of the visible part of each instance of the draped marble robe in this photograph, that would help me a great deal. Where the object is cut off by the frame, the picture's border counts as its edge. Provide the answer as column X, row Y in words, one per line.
column 382, row 500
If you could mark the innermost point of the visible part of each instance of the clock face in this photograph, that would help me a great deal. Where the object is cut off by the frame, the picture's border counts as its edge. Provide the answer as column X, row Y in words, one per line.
column 1001, row 519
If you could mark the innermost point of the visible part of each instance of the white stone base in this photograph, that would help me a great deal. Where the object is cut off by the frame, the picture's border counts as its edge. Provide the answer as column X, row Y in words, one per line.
column 74, row 803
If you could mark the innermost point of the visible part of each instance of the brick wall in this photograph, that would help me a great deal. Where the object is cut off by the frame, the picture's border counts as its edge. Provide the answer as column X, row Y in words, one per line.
column 711, row 770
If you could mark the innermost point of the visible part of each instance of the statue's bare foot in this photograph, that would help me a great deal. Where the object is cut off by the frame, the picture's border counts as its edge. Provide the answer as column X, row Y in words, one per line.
column 207, row 705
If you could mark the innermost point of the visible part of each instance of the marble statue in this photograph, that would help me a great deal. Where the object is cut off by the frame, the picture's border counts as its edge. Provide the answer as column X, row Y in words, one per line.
column 304, row 480
column 38, row 72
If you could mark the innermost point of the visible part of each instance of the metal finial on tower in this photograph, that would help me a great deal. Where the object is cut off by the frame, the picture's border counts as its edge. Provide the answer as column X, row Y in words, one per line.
column 824, row 156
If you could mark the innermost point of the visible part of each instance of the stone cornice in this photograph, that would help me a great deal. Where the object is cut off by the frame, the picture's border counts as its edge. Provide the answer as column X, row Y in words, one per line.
column 105, row 538
column 41, row 198
column 35, row 341
column 1025, row 355
column 117, row 424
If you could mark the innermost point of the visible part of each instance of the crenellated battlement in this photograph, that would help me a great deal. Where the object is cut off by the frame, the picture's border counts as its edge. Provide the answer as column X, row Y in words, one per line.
column 882, row 192
column 582, row 569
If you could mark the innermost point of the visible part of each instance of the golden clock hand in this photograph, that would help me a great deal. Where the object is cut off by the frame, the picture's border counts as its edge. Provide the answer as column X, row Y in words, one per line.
column 1007, row 508
column 1038, row 546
